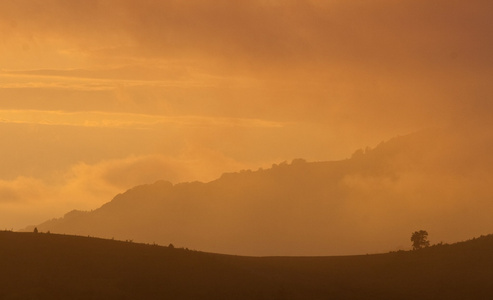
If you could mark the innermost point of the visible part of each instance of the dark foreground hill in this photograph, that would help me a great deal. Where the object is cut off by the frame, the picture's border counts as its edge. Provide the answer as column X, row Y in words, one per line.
column 50, row 266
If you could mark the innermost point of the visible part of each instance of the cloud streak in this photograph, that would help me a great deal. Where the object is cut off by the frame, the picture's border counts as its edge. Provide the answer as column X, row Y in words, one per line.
column 91, row 80
column 124, row 120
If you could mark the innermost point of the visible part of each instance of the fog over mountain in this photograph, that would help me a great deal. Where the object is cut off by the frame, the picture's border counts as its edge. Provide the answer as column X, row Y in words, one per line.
column 437, row 180
column 99, row 96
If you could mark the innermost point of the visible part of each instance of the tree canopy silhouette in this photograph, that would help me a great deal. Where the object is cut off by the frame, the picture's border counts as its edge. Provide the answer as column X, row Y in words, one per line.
column 420, row 239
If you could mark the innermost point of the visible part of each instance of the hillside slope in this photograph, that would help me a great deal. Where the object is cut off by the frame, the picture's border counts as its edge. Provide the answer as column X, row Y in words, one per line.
column 50, row 266
column 369, row 203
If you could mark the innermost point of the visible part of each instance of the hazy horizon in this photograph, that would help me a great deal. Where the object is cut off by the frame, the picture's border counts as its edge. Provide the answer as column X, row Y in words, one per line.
column 99, row 96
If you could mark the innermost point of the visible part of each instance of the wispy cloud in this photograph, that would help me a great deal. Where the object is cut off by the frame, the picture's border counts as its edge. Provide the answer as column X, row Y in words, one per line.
column 102, row 79
column 125, row 120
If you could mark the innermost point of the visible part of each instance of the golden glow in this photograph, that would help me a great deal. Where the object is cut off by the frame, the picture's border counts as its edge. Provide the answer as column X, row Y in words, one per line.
column 99, row 96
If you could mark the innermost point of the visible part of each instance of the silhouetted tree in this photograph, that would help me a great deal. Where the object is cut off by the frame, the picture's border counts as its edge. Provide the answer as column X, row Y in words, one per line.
column 35, row 229
column 171, row 246
column 420, row 239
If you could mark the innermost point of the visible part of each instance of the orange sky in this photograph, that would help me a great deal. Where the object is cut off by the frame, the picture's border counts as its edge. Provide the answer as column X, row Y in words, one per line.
column 98, row 96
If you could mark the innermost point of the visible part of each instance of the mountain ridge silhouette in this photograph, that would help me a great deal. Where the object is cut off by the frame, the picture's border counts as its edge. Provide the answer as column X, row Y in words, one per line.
column 367, row 203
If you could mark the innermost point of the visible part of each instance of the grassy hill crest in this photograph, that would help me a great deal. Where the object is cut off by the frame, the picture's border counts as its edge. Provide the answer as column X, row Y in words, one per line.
column 52, row 266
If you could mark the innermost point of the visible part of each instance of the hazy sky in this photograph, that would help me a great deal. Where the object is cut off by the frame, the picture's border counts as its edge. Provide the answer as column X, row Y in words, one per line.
column 98, row 96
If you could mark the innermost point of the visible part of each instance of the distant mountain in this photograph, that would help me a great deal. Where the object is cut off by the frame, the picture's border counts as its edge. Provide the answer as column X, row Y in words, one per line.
column 437, row 180
column 50, row 266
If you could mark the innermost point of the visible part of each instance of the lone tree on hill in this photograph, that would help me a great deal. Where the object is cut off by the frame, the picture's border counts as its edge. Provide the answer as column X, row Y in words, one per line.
column 35, row 230
column 420, row 239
